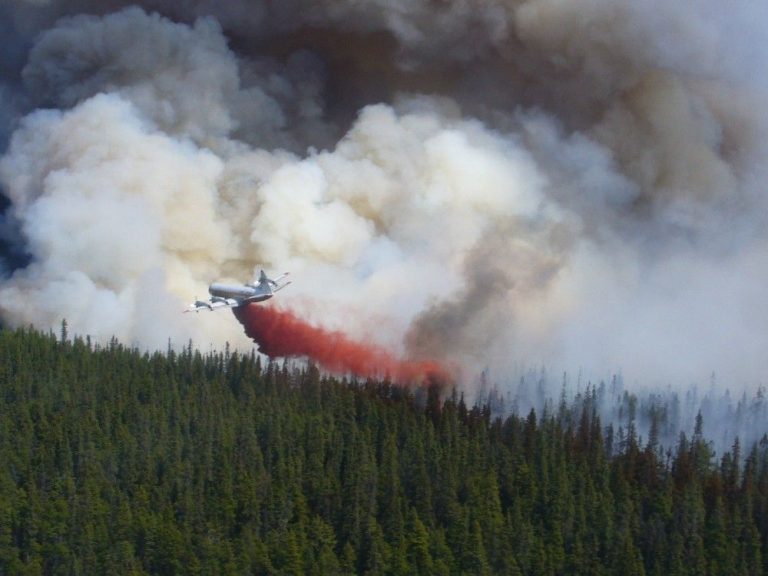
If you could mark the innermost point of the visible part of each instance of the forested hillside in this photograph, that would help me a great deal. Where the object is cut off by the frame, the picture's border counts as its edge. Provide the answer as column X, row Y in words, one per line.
column 118, row 462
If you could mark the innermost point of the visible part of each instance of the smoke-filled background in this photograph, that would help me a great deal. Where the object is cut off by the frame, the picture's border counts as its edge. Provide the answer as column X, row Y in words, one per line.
column 500, row 184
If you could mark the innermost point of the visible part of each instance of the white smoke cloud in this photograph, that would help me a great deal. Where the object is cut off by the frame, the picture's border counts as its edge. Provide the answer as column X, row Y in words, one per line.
column 578, row 184
column 103, row 200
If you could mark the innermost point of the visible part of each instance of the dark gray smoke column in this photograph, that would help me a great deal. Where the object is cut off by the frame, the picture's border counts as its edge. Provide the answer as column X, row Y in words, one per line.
column 576, row 184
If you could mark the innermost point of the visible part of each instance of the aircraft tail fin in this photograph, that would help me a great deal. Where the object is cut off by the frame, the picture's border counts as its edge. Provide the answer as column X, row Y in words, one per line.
column 272, row 284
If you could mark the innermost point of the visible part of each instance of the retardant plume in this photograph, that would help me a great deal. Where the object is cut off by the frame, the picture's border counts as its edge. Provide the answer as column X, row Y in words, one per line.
column 281, row 333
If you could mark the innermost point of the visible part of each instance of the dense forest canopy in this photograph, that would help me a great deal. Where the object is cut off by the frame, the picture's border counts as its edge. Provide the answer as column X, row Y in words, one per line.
column 114, row 461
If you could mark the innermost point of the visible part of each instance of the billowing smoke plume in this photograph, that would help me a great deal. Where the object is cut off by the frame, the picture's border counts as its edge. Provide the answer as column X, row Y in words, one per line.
column 280, row 333
column 496, row 184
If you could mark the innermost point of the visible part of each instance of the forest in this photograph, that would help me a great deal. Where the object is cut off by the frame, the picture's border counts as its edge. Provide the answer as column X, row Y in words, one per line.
column 117, row 461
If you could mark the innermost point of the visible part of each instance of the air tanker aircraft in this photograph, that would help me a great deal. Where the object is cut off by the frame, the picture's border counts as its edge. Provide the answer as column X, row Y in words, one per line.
column 232, row 296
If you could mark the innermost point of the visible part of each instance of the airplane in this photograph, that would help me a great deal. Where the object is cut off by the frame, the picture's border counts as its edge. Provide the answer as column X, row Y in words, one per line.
column 232, row 296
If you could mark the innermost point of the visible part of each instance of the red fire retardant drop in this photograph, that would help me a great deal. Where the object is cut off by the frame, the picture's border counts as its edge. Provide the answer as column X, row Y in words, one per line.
column 280, row 333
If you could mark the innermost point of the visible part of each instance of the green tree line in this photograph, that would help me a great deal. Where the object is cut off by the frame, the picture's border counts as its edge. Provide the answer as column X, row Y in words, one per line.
column 114, row 461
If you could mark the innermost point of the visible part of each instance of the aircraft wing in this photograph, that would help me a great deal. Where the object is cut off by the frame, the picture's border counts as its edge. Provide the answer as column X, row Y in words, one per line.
column 213, row 304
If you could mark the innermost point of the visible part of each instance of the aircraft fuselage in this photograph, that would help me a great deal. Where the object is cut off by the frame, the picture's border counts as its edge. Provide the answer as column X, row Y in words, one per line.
column 243, row 292
column 234, row 295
